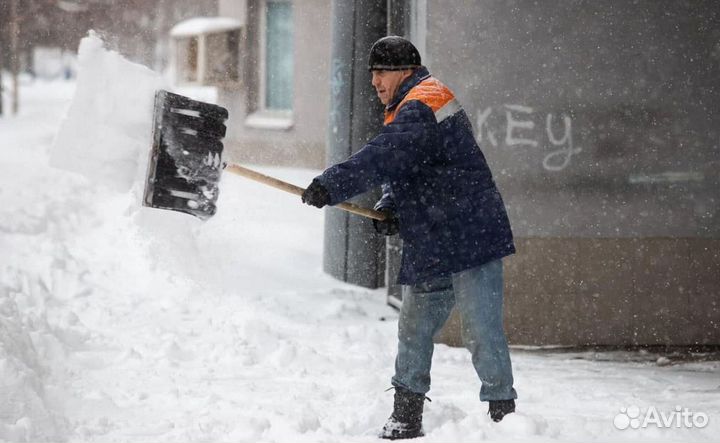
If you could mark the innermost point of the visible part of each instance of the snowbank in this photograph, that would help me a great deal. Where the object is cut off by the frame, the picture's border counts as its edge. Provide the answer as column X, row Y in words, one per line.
column 34, row 338
column 24, row 413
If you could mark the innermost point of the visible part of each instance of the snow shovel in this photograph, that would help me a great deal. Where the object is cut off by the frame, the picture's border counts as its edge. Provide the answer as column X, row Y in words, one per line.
column 185, row 161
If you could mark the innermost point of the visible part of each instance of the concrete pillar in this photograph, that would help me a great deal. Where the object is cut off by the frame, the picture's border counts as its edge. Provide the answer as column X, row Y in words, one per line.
column 353, row 252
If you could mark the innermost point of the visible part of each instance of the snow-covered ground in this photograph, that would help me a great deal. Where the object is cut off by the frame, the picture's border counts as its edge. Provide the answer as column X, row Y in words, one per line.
column 121, row 324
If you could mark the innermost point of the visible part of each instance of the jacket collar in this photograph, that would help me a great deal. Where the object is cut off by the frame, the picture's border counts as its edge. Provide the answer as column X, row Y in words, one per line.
column 417, row 76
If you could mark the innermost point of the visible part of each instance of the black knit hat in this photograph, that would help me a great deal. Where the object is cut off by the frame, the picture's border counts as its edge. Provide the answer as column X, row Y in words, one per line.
column 393, row 53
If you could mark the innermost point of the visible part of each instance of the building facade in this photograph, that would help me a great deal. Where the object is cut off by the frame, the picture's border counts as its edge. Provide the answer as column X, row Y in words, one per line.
column 599, row 120
column 279, row 111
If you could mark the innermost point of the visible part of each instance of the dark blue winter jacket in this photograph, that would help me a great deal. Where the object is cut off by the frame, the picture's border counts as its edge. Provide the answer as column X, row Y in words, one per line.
column 435, row 178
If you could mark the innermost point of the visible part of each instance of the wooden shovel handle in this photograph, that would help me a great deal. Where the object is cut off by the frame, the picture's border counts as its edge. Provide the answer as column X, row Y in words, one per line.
column 287, row 187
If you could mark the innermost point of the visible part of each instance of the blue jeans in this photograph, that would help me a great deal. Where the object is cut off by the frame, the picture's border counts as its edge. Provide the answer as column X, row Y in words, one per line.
column 478, row 293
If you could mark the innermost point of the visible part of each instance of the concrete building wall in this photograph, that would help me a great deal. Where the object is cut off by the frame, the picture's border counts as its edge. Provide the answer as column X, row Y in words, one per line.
column 574, row 292
column 600, row 121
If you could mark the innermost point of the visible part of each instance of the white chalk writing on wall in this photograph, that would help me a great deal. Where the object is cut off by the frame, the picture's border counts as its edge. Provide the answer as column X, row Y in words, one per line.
column 520, row 131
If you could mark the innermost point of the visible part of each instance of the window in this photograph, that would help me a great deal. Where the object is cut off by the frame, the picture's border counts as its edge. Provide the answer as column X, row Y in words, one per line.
column 278, row 55
column 273, row 108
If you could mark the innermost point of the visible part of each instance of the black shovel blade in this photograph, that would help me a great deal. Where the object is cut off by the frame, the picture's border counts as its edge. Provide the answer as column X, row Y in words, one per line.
column 186, row 157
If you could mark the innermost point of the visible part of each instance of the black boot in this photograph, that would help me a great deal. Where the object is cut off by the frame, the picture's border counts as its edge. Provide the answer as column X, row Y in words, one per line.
column 406, row 419
column 500, row 408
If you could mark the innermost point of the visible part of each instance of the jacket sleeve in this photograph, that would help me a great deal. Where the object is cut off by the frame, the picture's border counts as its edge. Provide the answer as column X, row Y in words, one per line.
column 403, row 146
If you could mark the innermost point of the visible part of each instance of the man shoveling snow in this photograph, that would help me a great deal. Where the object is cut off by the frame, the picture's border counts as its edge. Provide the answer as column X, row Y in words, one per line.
column 439, row 195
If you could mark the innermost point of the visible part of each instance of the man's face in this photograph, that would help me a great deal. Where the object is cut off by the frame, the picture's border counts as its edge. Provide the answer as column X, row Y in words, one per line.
column 386, row 83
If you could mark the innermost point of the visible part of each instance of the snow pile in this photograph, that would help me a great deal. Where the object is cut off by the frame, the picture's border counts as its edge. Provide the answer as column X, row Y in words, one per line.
column 40, row 206
column 107, row 131
column 24, row 413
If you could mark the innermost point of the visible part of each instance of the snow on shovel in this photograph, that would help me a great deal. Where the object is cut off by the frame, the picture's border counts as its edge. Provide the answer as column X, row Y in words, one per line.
column 185, row 161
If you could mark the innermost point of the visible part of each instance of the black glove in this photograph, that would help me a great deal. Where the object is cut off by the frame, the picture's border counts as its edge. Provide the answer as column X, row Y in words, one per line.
column 389, row 226
column 316, row 195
